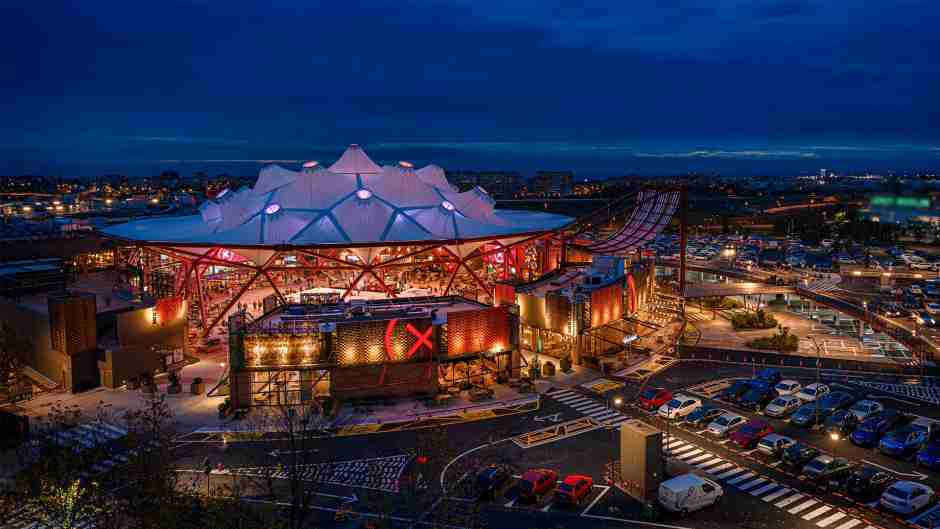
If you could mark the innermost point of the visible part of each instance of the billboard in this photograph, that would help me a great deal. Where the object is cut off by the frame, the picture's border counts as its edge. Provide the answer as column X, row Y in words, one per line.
column 381, row 341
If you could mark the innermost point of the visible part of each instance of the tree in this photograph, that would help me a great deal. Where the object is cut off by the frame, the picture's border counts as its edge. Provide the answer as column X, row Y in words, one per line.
column 13, row 348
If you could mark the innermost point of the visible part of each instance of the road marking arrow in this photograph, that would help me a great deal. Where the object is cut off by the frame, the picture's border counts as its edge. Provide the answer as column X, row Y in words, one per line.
column 555, row 417
column 917, row 475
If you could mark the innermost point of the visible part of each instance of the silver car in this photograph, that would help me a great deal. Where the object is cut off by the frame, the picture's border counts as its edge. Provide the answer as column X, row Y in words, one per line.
column 783, row 406
column 725, row 424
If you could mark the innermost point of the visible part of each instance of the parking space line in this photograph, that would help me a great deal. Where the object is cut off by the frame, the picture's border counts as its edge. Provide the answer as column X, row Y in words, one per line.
column 813, row 514
column 825, row 522
column 597, row 499
column 739, row 479
column 803, row 506
column 787, row 501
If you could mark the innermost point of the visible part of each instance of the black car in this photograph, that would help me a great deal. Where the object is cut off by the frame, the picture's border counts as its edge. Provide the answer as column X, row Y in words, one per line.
column 809, row 414
column 836, row 400
column 867, row 483
column 490, row 479
column 735, row 391
column 797, row 455
column 827, row 471
column 840, row 424
column 703, row 416
column 758, row 396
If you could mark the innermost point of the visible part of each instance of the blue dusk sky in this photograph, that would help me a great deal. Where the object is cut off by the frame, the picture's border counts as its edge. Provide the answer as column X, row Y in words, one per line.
column 604, row 88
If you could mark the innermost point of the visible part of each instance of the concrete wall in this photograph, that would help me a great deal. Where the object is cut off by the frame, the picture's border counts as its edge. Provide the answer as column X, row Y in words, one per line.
column 136, row 328
column 34, row 326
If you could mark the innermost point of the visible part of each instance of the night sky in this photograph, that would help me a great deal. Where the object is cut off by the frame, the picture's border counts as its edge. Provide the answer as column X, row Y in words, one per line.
column 658, row 87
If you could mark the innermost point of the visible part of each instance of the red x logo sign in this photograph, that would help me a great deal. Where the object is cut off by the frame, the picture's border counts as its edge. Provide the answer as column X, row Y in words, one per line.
column 423, row 338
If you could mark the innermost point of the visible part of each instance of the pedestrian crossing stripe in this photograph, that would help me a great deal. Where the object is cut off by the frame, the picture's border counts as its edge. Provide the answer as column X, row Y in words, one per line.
column 739, row 479
column 787, row 501
column 764, row 489
column 813, row 514
column 771, row 497
column 803, row 506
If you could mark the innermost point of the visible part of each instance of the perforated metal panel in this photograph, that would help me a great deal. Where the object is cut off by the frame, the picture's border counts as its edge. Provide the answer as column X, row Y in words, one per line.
column 477, row 330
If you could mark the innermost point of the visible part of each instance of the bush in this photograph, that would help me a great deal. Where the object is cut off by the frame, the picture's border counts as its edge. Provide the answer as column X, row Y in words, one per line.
column 754, row 320
column 782, row 341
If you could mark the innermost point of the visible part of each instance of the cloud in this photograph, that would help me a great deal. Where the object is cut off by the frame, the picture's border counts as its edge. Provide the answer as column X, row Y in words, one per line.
column 729, row 154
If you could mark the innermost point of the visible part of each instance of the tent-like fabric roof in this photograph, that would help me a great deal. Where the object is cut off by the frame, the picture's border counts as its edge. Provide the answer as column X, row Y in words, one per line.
column 355, row 201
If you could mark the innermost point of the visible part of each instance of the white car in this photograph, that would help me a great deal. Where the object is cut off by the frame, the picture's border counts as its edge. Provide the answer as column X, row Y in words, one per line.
column 725, row 424
column 812, row 392
column 864, row 409
column 905, row 497
column 783, row 406
column 788, row 387
column 679, row 407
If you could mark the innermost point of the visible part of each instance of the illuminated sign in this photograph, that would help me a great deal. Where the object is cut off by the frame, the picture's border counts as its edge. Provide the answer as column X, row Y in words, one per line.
column 423, row 339
column 900, row 202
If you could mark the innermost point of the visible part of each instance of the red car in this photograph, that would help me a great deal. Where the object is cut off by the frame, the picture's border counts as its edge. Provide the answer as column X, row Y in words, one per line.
column 536, row 482
column 653, row 398
column 751, row 433
column 573, row 489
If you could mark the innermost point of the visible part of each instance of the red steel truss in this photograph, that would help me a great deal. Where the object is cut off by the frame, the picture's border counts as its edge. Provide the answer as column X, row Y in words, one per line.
column 193, row 266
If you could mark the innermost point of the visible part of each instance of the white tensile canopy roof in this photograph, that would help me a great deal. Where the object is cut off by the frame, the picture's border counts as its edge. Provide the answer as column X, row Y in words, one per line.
column 354, row 201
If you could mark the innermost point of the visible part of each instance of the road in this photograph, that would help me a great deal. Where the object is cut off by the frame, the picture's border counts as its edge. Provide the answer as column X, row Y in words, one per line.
column 383, row 473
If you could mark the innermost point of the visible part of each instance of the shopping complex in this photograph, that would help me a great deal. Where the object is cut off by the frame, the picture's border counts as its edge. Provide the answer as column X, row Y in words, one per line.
column 356, row 280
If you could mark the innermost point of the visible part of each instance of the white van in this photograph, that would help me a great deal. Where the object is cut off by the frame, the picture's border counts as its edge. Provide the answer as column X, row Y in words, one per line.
column 688, row 492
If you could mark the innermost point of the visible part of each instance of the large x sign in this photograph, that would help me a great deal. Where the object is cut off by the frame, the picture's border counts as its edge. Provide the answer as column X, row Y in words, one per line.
column 423, row 339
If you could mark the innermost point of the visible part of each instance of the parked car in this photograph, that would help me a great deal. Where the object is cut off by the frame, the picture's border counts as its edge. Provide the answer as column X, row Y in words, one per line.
column 758, row 396
column 827, row 470
column 782, row 406
column 788, row 387
column 902, row 441
column 688, row 492
column 840, row 424
column 812, row 392
column 573, row 489
column 703, row 416
column 809, row 414
column 906, row 497
column 679, row 407
column 750, row 433
column 864, row 409
column 774, row 444
column 725, row 424
column 798, row 454
column 769, row 376
column 929, row 455
column 736, row 390
column 873, row 428
column 536, row 482
column 490, row 479
column 653, row 398
column 836, row 400
column 868, row 483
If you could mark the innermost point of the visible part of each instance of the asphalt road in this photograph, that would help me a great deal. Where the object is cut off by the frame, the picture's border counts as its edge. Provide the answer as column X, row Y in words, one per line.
column 421, row 476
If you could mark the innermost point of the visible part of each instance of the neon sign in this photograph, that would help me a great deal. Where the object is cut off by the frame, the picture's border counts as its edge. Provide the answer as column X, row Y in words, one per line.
column 422, row 339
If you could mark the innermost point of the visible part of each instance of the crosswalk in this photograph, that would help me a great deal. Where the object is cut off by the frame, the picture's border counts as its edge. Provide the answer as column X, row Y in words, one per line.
column 746, row 480
column 587, row 406
column 826, row 284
